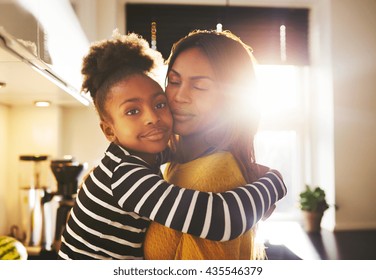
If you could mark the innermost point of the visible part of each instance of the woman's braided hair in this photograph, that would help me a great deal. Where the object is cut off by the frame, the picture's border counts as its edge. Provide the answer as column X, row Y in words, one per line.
column 113, row 60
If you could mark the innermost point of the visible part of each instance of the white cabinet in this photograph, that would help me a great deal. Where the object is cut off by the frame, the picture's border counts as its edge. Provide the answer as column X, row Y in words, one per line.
column 26, row 69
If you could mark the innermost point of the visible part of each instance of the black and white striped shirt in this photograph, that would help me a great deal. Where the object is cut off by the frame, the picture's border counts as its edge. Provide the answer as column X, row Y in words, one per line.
column 122, row 195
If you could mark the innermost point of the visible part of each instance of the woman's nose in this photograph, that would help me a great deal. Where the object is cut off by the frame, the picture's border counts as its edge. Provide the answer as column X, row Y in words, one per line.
column 180, row 94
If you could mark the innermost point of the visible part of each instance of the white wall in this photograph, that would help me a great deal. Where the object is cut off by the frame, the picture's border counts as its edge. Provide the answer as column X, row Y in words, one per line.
column 29, row 130
column 4, row 144
column 343, row 103
column 82, row 136
column 354, row 88
column 320, row 169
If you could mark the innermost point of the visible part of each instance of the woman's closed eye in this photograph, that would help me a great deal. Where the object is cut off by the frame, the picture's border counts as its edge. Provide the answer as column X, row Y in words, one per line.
column 173, row 78
column 173, row 82
column 202, row 84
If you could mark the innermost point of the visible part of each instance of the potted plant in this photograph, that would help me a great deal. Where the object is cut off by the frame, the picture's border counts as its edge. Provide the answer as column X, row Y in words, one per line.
column 313, row 204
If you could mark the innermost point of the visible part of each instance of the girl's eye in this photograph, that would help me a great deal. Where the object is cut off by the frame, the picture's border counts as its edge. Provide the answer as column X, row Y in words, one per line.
column 132, row 112
column 161, row 105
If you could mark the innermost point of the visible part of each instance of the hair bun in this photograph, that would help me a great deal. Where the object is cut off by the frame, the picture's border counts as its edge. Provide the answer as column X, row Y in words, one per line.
column 130, row 52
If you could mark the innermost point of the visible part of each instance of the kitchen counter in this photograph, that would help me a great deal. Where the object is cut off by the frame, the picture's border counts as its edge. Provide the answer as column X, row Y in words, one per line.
column 43, row 255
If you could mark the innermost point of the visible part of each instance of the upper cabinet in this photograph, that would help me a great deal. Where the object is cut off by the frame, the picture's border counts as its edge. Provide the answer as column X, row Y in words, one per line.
column 38, row 59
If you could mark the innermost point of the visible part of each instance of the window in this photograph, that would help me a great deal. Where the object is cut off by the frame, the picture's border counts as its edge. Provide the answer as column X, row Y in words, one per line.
column 281, row 141
column 258, row 27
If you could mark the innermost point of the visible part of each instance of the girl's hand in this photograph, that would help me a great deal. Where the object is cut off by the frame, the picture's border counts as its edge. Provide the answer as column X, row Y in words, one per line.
column 269, row 212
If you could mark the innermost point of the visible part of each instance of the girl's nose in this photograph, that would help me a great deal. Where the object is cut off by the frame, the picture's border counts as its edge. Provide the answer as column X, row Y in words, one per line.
column 151, row 117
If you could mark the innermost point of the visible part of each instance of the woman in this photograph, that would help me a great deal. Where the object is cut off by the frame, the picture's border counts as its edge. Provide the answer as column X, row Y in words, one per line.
column 211, row 92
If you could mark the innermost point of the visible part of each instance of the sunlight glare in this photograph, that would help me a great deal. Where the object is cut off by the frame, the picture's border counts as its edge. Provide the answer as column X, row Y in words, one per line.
column 277, row 88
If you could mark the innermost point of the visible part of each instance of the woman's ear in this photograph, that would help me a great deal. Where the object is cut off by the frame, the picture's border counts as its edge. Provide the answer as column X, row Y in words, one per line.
column 108, row 131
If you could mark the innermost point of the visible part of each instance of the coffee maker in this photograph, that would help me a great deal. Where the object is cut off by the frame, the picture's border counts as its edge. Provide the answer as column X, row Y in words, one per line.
column 66, row 172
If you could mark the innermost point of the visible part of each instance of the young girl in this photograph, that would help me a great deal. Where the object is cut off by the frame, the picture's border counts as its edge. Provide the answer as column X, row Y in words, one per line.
column 124, row 193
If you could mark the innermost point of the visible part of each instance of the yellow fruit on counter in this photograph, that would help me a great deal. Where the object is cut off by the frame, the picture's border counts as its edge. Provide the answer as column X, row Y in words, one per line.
column 12, row 249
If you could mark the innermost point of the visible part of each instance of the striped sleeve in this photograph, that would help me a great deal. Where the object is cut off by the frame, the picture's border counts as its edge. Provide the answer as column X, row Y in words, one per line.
column 214, row 216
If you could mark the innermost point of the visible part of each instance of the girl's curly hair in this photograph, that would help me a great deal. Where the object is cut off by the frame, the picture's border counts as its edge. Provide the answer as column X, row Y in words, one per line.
column 110, row 61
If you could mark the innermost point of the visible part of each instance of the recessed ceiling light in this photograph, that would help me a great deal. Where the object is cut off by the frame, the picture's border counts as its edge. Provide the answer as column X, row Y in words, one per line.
column 42, row 103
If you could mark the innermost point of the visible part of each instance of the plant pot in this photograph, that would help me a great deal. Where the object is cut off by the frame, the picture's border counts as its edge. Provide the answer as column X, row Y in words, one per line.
column 312, row 221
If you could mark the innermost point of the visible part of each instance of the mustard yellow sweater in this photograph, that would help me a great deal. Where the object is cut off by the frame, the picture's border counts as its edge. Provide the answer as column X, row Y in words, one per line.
column 217, row 172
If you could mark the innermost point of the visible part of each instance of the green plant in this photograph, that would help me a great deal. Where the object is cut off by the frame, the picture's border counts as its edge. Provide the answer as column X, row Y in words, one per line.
column 313, row 200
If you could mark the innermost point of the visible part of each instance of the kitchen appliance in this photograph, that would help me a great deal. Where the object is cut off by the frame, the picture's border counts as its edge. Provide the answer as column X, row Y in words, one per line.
column 33, row 181
column 44, row 213
column 66, row 173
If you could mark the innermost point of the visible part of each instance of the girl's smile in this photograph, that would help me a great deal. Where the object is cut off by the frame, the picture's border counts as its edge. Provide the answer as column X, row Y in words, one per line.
column 155, row 134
